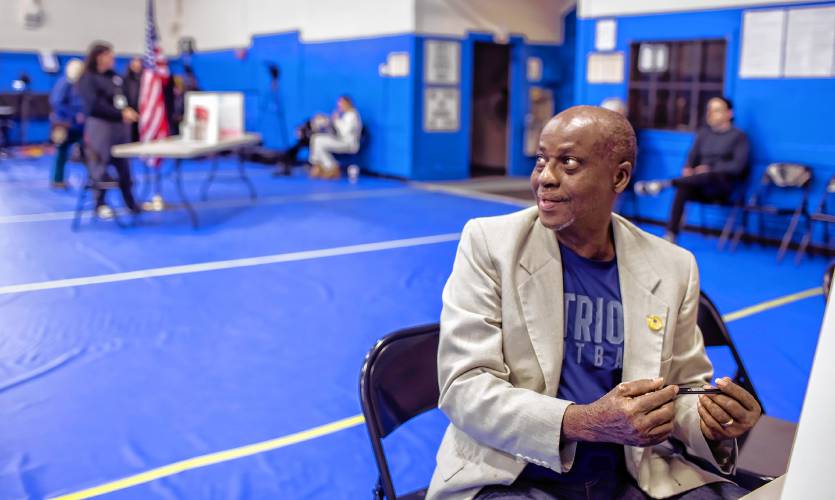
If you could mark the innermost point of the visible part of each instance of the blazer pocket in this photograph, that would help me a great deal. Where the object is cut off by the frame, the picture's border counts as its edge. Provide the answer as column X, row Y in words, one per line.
column 450, row 466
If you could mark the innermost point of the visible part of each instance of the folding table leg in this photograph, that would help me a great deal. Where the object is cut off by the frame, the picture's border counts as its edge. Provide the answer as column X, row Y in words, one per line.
column 178, row 171
column 204, row 190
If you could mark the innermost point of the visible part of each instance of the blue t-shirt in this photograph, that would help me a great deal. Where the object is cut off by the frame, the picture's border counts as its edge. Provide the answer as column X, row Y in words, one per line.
column 592, row 360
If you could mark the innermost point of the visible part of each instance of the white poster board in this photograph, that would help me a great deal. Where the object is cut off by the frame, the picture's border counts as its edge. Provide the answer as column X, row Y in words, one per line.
column 763, row 35
column 441, row 109
column 605, row 34
column 210, row 116
column 811, row 460
column 605, row 68
column 810, row 42
column 442, row 62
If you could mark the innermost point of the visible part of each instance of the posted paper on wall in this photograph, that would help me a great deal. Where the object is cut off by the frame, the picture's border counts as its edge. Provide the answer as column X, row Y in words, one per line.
column 763, row 34
column 605, row 68
column 442, row 62
column 810, row 42
column 441, row 109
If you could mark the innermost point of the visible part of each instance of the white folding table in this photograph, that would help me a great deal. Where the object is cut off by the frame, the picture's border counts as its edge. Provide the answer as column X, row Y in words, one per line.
column 177, row 149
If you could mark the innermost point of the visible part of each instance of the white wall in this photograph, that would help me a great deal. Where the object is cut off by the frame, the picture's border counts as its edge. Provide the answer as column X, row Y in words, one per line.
column 71, row 25
column 601, row 8
column 537, row 20
column 218, row 24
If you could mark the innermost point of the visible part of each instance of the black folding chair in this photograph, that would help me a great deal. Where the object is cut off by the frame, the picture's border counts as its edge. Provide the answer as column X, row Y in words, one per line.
column 778, row 177
column 92, row 184
column 765, row 450
column 399, row 381
column 825, row 213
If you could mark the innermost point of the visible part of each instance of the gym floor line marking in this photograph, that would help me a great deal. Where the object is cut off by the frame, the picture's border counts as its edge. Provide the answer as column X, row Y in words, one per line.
column 333, row 427
column 229, row 264
column 771, row 304
column 214, row 458
column 471, row 193
column 237, row 202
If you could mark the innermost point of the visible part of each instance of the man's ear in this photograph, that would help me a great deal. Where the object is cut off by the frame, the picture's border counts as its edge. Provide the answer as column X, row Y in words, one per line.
column 623, row 174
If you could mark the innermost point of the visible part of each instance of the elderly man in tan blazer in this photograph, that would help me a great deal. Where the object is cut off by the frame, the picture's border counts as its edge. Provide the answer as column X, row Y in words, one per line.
column 566, row 335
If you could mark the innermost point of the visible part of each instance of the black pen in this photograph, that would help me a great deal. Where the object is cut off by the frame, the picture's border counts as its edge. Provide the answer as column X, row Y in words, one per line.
column 683, row 391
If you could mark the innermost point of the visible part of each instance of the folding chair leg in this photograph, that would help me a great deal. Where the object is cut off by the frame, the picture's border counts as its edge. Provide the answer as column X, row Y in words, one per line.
column 804, row 243
column 787, row 237
column 726, row 231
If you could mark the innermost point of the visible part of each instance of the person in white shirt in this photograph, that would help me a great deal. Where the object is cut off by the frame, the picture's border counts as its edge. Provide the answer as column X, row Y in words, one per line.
column 345, row 138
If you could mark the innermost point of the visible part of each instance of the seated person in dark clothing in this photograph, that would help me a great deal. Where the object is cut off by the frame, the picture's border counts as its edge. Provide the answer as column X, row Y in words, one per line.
column 108, row 123
column 718, row 160
column 317, row 123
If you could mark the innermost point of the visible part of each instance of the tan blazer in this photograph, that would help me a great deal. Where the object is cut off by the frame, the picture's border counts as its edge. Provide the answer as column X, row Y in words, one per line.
column 501, row 351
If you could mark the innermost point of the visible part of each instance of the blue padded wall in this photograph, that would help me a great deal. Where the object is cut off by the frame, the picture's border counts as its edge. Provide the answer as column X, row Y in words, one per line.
column 785, row 119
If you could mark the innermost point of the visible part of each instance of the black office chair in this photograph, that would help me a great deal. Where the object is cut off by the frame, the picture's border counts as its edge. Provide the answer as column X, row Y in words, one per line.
column 778, row 177
column 399, row 381
column 825, row 214
column 765, row 450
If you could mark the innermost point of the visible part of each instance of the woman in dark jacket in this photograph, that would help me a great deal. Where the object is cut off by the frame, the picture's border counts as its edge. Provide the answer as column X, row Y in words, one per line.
column 108, row 123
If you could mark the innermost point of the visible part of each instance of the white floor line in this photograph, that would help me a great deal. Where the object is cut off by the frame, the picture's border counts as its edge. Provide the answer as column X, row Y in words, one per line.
column 237, row 202
column 469, row 193
column 228, row 264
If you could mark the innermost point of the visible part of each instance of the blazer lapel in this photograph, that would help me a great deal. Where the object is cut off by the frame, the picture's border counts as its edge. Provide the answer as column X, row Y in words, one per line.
column 645, row 315
column 541, row 296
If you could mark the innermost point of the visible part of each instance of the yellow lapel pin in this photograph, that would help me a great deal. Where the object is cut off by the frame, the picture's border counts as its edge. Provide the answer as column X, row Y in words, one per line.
column 654, row 323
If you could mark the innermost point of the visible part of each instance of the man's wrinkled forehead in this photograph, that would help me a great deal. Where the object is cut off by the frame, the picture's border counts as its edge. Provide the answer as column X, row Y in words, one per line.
column 571, row 129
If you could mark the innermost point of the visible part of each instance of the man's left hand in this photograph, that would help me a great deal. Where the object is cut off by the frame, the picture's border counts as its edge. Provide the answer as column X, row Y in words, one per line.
column 727, row 415
column 701, row 169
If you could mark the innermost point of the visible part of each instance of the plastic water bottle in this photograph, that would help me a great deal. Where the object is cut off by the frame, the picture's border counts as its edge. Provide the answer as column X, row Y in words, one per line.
column 353, row 173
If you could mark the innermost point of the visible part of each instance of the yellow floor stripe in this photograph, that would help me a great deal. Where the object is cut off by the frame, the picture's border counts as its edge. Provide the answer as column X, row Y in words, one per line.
column 213, row 458
column 339, row 425
column 771, row 304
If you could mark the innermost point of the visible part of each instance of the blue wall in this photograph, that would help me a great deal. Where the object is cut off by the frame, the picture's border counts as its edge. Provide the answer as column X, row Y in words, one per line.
column 785, row 119
column 442, row 155
column 313, row 76
column 12, row 64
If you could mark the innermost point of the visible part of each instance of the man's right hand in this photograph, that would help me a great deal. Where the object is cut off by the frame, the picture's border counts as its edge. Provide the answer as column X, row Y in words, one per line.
column 636, row 413
column 687, row 171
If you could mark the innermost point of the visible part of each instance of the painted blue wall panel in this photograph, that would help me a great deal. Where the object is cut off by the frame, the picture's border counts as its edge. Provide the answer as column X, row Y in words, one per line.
column 13, row 64
column 785, row 119
column 444, row 155
column 313, row 76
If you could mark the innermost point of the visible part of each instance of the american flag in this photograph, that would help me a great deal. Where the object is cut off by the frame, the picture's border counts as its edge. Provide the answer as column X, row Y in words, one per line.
column 152, row 121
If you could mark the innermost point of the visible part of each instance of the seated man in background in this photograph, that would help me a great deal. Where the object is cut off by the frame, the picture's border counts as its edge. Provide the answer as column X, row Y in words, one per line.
column 565, row 334
column 718, row 160
column 345, row 138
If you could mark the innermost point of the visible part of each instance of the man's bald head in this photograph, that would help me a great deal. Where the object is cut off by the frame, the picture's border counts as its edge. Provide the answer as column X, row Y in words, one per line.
column 613, row 132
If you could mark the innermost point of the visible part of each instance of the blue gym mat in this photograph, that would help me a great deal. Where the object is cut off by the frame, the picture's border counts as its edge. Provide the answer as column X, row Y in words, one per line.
column 105, row 380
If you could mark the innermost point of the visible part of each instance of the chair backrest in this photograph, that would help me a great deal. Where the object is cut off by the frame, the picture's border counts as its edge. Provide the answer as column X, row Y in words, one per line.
column 788, row 175
column 828, row 276
column 399, row 380
column 715, row 334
